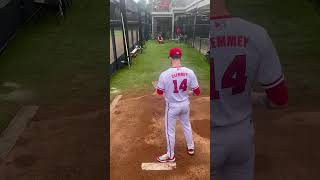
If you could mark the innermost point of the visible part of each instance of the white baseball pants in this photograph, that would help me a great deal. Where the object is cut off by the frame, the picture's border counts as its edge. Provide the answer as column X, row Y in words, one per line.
column 232, row 151
column 174, row 111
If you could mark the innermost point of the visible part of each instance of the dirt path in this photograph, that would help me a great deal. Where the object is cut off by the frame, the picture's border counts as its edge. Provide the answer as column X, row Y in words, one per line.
column 287, row 143
column 64, row 141
column 137, row 135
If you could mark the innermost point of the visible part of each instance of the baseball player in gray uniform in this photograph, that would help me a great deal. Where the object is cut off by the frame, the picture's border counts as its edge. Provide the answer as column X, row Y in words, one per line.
column 175, row 83
column 240, row 54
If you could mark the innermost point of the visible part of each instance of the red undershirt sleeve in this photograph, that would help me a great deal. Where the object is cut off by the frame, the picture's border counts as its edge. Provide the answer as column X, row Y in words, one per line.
column 159, row 91
column 278, row 94
column 197, row 91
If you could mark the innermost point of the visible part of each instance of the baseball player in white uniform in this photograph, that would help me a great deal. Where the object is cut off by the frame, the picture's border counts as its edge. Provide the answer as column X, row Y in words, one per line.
column 240, row 54
column 175, row 83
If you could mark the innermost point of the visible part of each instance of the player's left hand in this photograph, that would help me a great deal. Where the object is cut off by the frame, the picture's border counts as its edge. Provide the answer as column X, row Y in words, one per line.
column 154, row 84
column 261, row 99
column 258, row 98
column 190, row 93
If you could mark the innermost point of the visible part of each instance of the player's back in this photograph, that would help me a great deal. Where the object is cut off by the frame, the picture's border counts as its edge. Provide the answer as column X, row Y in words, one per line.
column 241, row 52
column 176, row 82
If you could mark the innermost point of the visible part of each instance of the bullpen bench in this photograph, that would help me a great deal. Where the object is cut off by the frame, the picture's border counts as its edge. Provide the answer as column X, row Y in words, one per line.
column 135, row 51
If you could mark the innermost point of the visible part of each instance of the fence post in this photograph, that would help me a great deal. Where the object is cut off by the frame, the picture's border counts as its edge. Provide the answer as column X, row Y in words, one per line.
column 172, row 28
column 146, row 22
column 132, row 41
column 194, row 27
column 200, row 45
column 125, row 30
column 137, row 36
column 152, row 28
column 114, row 45
column 140, row 27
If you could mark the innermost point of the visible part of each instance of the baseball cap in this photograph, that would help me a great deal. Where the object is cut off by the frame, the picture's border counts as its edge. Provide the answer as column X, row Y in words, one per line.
column 175, row 53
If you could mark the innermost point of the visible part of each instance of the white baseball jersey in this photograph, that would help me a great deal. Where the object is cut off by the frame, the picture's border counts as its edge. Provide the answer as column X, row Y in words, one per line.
column 241, row 53
column 175, row 82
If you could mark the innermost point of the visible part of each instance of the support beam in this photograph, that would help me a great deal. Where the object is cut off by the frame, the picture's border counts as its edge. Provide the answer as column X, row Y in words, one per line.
column 125, row 30
column 152, row 21
column 172, row 26
column 140, row 27
column 114, row 48
column 146, row 28
column 194, row 27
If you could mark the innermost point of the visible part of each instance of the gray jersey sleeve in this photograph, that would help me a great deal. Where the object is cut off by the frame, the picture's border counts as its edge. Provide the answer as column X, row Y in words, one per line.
column 269, row 71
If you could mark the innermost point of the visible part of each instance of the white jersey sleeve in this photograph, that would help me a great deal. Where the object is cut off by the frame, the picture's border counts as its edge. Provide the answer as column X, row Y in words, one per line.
column 269, row 72
column 161, row 82
column 194, row 81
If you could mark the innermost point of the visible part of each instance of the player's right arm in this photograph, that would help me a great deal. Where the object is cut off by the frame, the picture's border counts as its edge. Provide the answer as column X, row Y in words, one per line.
column 270, row 76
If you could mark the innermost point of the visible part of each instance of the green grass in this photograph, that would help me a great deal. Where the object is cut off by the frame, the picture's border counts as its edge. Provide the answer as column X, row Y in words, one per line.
column 60, row 62
column 294, row 27
column 148, row 66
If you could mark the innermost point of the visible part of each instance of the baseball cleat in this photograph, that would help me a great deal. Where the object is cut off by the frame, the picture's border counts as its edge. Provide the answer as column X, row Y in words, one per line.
column 165, row 158
column 190, row 151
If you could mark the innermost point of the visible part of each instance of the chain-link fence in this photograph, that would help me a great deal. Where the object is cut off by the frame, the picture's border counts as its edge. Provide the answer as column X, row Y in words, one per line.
column 129, row 26
column 194, row 27
column 184, row 20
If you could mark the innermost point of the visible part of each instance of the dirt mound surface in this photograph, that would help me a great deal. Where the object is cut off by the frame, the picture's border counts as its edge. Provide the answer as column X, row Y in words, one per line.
column 61, row 142
column 287, row 143
column 137, row 136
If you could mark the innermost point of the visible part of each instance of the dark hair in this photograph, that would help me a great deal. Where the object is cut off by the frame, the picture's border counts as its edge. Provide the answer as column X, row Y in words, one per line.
column 175, row 57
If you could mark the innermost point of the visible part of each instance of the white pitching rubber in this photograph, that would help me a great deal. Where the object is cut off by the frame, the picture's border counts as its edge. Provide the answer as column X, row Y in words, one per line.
column 158, row 166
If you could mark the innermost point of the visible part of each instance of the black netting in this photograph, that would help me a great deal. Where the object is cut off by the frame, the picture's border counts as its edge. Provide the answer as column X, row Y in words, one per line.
column 137, row 19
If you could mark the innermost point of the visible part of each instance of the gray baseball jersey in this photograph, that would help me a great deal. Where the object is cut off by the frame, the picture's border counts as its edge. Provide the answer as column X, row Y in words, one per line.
column 242, row 52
